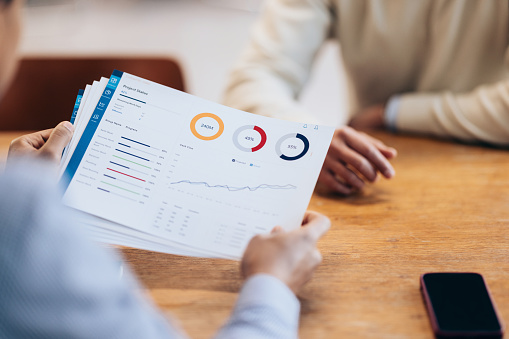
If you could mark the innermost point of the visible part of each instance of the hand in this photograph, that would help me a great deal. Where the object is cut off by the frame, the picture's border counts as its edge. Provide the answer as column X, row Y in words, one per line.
column 292, row 257
column 48, row 144
column 354, row 157
column 371, row 117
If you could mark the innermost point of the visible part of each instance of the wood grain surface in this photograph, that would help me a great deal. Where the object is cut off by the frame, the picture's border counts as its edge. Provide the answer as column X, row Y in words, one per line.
column 5, row 140
column 446, row 210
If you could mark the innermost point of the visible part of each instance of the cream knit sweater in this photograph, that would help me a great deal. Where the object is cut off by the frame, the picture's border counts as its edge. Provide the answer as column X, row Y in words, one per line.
column 445, row 59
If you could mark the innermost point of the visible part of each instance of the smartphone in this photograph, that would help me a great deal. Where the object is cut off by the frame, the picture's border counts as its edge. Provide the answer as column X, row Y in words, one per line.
column 460, row 306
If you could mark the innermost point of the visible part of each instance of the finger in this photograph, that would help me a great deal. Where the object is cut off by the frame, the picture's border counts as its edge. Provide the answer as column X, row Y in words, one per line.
column 310, row 263
column 328, row 179
column 277, row 230
column 344, row 153
column 34, row 140
column 309, row 215
column 347, row 175
column 317, row 256
column 316, row 227
column 58, row 139
column 44, row 135
column 38, row 139
column 364, row 147
column 388, row 152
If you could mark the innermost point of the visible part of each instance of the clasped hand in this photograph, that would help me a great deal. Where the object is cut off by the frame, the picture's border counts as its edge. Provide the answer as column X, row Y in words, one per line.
column 353, row 158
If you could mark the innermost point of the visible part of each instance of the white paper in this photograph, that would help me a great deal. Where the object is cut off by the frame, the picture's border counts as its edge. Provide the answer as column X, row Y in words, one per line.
column 189, row 171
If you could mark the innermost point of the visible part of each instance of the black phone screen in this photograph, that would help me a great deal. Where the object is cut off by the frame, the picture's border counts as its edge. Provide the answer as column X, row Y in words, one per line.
column 461, row 302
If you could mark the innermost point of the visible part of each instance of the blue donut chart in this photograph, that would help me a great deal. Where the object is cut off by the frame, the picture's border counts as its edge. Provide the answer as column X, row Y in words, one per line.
column 290, row 136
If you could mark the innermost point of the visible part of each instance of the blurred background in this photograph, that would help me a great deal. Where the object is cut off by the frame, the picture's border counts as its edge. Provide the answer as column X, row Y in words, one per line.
column 205, row 37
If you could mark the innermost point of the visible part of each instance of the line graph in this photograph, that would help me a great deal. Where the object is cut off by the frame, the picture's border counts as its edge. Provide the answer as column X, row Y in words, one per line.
column 236, row 188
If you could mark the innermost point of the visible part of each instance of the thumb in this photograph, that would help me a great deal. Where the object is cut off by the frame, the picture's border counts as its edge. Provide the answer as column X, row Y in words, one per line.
column 388, row 152
column 277, row 230
column 316, row 226
column 58, row 139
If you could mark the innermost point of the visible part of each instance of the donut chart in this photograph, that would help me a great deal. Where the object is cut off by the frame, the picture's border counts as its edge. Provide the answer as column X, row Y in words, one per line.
column 250, row 143
column 287, row 144
column 201, row 126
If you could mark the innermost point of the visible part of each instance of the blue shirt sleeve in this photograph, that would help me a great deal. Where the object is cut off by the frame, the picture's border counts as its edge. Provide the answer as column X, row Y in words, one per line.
column 55, row 283
column 266, row 308
column 391, row 113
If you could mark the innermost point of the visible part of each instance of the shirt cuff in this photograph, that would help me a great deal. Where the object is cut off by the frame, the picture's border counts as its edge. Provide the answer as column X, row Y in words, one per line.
column 391, row 113
column 268, row 291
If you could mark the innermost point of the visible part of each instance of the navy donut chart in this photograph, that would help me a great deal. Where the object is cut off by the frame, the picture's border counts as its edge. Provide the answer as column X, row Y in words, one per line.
column 290, row 136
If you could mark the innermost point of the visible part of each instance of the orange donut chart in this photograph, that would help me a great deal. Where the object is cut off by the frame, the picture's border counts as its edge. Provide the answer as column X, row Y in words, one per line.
column 207, row 115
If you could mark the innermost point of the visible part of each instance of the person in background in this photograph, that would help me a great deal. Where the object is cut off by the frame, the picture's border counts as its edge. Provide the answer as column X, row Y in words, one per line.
column 427, row 67
column 55, row 283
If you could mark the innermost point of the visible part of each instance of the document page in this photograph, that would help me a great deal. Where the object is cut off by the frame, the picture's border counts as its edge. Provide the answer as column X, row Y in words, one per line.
column 191, row 171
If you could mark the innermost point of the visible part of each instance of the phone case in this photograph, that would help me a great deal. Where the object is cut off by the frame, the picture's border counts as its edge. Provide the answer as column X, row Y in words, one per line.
column 439, row 333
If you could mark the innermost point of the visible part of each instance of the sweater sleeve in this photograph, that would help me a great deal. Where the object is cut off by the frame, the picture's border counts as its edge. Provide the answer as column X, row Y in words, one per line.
column 481, row 115
column 276, row 64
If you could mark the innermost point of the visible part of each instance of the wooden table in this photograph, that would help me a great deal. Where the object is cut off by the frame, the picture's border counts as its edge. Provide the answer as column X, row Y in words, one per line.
column 447, row 209
column 5, row 140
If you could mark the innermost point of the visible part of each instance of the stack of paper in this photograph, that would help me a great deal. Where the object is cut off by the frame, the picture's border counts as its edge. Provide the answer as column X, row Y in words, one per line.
column 158, row 169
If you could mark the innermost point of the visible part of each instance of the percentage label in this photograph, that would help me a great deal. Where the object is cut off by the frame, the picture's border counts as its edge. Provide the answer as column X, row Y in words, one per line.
column 292, row 146
column 207, row 126
column 250, row 138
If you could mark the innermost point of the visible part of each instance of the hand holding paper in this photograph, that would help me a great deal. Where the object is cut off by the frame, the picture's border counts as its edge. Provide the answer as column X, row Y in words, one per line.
column 292, row 257
column 48, row 144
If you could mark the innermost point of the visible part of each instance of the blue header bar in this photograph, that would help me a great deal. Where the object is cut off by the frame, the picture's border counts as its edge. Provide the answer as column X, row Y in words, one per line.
column 76, row 105
column 91, row 128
